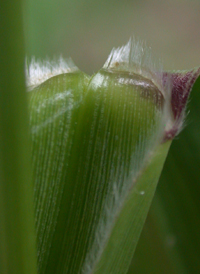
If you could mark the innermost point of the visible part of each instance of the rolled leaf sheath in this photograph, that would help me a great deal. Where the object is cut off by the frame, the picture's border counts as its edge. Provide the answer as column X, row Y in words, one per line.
column 54, row 107
column 91, row 143
column 125, row 111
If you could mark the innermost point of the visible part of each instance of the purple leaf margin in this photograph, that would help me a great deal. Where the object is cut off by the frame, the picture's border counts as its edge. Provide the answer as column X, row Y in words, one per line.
column 181, row 83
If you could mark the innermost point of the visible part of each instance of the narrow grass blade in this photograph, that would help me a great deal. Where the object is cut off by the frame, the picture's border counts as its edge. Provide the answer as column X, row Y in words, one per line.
column 17, row 227
column 122, row 241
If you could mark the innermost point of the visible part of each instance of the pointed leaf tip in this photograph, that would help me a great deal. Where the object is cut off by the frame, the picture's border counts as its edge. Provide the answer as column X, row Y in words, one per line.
column 181, row 83
column 181, row 87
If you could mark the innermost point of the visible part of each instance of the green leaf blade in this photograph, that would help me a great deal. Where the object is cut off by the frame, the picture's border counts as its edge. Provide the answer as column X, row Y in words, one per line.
column 114, row 121
column 96, row 142
column 122, row 242
column 53, row 116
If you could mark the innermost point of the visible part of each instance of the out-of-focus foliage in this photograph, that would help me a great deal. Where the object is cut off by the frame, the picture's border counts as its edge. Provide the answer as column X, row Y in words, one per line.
column 87, row 30
column 17, row 233
column 170, row 241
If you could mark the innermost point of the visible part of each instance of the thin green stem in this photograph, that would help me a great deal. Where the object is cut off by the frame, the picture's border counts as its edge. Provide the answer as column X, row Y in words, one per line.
column 17, row 233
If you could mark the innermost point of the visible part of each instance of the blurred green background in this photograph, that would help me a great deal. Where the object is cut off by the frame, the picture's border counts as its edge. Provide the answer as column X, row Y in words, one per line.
column 87, row 31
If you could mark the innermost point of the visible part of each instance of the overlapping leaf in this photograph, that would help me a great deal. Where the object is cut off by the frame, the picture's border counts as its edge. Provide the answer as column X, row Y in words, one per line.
column 170, row 240
column 98, row 147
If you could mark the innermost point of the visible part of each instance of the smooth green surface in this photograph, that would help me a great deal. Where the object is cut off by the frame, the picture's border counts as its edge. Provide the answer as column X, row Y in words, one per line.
column 17, row 234
column 89, row 141
column 170, row 241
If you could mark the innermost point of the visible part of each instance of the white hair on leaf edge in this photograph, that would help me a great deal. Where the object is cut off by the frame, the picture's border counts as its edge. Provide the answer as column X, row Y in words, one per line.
column 39, row 71
column 136, row 57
